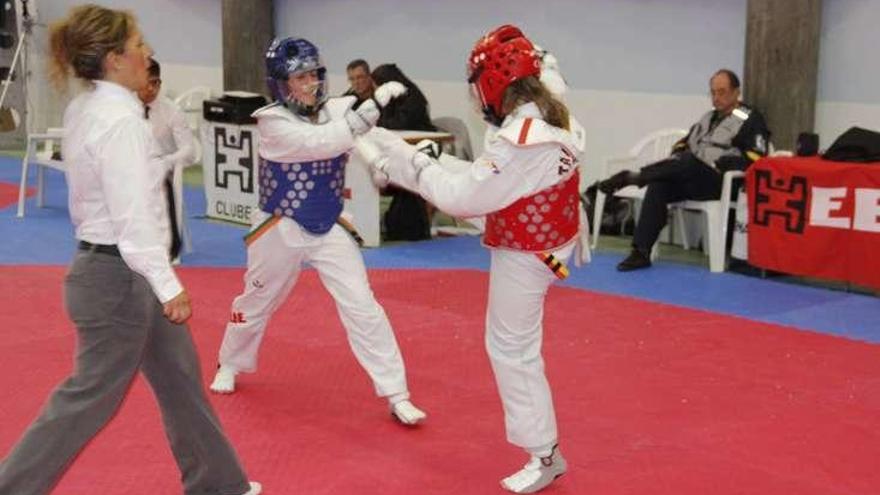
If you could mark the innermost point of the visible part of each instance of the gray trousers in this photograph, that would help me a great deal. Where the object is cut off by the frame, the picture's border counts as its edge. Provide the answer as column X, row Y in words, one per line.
column 121, row 330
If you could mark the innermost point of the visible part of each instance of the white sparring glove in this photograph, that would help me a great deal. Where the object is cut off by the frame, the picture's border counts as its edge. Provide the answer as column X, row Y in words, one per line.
column 375, row 146
column 373, row 156
column 365, row 117
column 388, row 91
column 395, row 160
column 379, row 178
column 367, row 150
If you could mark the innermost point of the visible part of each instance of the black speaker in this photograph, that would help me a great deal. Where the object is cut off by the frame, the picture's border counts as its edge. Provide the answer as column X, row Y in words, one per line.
column 234, row 107
column 807, row 144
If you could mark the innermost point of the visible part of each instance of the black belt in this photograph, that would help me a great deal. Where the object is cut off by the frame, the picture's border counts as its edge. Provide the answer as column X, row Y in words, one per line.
column 110, row 249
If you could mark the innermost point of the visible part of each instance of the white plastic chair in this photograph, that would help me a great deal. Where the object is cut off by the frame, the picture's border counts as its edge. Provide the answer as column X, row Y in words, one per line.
column 653, row 147
column 459, row 130
column 716, row 213
column 41, row 156
column 190, row 102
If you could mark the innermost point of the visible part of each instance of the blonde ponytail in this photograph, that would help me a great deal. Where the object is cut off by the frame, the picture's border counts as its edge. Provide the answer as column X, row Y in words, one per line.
column 530, row 89
column 80, row 41
column 59, row 65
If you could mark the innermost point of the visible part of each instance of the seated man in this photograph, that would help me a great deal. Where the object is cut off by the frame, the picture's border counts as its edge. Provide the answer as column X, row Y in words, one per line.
column 731, row 136
column 360, row 81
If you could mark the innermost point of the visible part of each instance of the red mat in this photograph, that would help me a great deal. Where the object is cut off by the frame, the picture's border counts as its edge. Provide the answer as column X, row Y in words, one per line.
column 9, row 194
column 651, row 399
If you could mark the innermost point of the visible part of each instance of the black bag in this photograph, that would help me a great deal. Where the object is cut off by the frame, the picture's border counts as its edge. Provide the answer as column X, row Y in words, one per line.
column 616, row 215
column 807, row 144
column 407, row 217
column 855, row 145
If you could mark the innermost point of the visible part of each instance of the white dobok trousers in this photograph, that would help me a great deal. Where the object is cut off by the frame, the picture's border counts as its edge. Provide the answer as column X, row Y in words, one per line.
column 275, row 260
column 518, row 284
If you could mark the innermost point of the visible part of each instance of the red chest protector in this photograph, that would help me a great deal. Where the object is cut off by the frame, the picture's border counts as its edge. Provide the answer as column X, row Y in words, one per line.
column 543, row 221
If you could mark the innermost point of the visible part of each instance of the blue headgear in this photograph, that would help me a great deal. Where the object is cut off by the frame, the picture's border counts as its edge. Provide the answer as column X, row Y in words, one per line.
column 293, row 56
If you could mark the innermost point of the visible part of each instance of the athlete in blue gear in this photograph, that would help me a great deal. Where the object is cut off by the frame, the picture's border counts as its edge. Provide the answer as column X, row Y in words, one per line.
column 305, row 140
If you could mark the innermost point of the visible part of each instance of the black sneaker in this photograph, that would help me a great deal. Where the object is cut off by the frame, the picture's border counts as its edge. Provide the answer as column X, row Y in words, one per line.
column 616, row 182
column 634, row 261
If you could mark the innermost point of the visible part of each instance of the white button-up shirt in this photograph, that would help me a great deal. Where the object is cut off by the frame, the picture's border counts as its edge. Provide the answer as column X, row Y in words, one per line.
column 175, row 144
column 115, row 193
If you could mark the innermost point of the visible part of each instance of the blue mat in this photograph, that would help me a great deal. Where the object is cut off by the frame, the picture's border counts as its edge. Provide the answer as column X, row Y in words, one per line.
column 45, row 236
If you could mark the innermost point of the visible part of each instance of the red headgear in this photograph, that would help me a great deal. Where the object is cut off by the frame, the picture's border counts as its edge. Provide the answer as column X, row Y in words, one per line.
column 499, row 58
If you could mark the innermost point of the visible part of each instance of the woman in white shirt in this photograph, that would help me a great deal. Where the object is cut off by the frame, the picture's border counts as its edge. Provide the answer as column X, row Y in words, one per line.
column 121, row 292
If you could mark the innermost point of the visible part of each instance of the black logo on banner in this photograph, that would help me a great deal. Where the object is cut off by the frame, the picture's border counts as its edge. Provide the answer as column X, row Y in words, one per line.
column 781, row 199
column 233, row 157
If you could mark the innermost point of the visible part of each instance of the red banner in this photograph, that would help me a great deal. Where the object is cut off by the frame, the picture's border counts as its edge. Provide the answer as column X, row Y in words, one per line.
column 814, row 217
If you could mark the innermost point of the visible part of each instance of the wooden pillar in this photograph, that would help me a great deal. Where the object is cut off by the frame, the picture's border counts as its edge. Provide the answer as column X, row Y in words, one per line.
column 248, row 27
column 782, row 61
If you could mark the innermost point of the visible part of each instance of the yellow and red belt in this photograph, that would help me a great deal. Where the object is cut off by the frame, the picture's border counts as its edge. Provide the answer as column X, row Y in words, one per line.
column 554, row 264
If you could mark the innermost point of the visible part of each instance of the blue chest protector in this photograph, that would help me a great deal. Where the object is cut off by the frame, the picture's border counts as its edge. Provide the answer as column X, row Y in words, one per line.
column 308, row 192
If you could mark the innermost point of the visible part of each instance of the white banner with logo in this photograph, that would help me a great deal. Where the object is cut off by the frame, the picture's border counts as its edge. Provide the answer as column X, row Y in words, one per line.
column 230, row 167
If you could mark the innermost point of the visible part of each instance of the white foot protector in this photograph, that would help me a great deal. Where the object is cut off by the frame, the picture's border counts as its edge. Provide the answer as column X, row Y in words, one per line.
column 537, row 474
column 408, row 414
column 224, row 382
column 256, row 489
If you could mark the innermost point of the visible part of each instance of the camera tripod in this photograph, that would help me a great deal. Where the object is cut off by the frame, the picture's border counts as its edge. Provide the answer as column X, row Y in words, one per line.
column 9, row 117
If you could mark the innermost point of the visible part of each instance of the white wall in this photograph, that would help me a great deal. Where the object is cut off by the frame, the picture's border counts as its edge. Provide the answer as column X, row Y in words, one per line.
column 634, row 65
column 848, row 70
column 619, row 45
column 185, row 34
column 849, row 74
